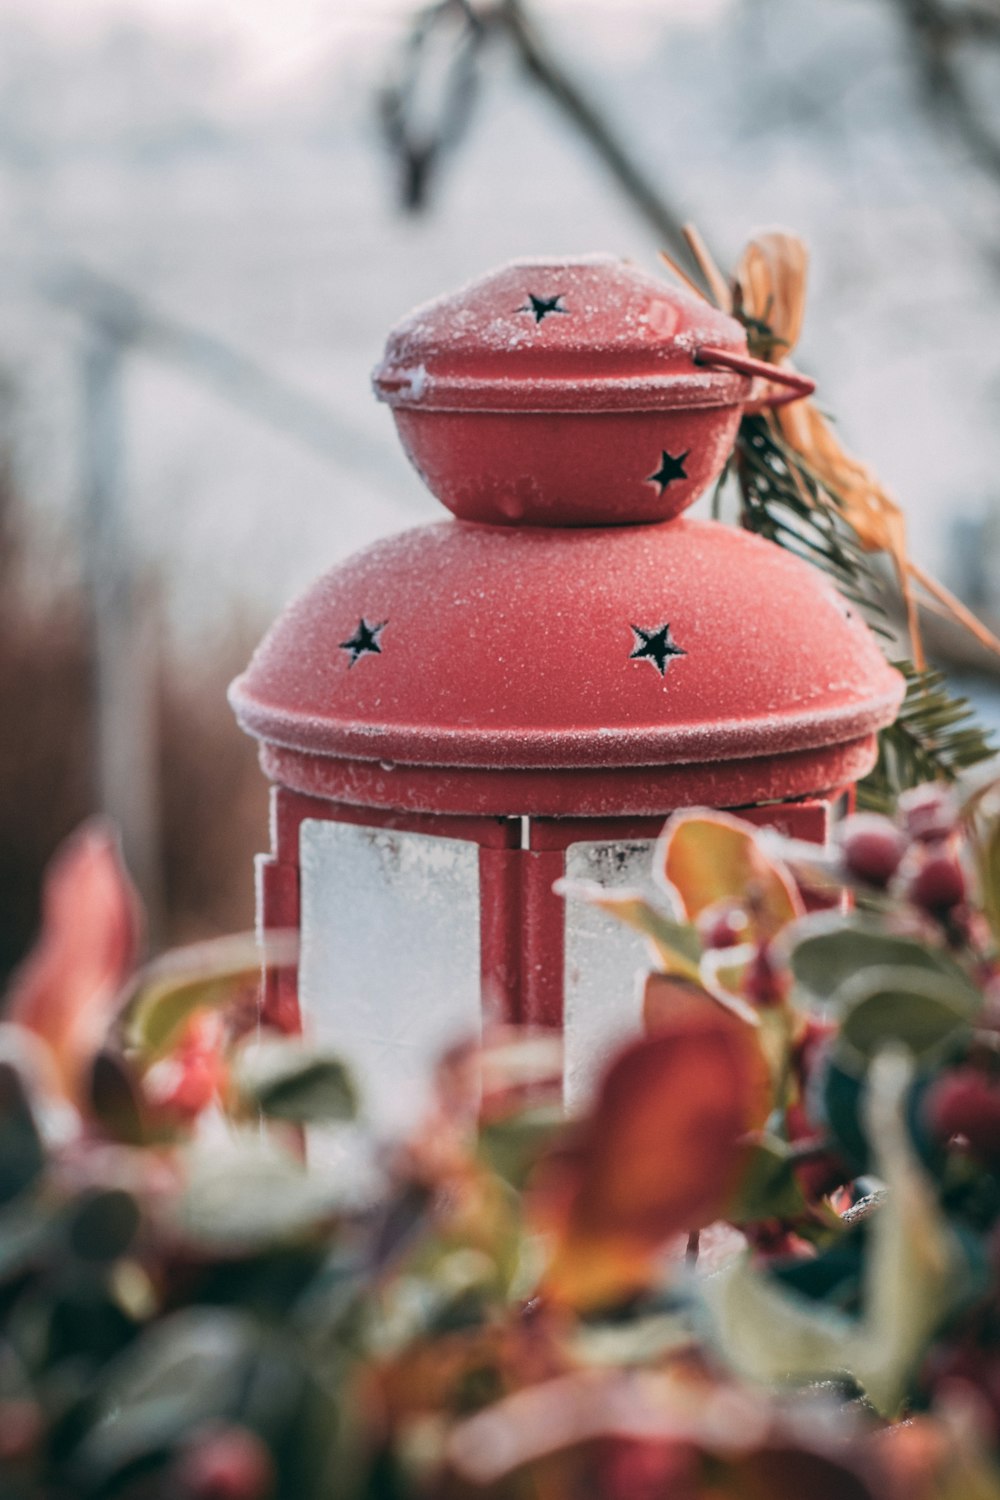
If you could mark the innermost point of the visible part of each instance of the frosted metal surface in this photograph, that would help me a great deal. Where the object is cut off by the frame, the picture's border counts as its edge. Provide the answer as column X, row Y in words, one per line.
column 389, row 967
column 604, row 963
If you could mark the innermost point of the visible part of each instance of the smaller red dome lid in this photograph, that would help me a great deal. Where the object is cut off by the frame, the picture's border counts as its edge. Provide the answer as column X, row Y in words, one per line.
column 593, row 333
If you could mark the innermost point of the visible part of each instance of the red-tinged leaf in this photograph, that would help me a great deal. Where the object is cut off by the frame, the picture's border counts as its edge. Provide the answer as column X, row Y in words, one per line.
column 709, row 857
column 180, row 1087
column 659, row 1155
column 66, row 990
column 779, row 1471
column 668, row 999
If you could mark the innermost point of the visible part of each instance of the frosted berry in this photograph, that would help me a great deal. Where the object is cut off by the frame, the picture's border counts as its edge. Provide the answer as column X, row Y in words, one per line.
column 722, row 926
column 21, row 1429
column 929, row 813
column 765, row 981
column 229, row 1463
column 938, row 885
column 964, row 1102
column 872, row 848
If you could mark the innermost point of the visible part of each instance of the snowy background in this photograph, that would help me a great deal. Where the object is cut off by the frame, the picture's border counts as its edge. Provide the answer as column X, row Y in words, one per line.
column 223, row 163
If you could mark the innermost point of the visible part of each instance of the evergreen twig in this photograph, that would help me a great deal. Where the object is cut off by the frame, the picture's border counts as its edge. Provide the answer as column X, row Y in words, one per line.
column 936, row 734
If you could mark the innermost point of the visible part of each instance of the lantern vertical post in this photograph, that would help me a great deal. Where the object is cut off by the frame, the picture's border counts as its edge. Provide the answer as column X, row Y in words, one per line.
column 124, row 651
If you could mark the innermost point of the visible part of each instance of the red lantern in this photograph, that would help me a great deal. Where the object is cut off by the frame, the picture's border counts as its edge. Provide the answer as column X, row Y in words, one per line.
column 460, row 715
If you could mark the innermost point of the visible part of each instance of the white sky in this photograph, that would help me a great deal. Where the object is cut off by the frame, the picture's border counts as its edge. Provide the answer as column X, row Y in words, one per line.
column 284, row 29
column 276, row 45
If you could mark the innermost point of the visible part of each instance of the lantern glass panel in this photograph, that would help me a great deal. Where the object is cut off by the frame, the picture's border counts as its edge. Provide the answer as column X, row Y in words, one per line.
column 389, row 972
column 604, row 962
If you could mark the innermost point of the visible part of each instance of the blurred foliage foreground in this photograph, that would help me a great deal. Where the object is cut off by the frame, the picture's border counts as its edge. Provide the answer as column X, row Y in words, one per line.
column 764, row 1265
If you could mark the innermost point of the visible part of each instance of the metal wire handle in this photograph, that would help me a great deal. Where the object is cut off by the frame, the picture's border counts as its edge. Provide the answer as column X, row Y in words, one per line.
column 797, row 385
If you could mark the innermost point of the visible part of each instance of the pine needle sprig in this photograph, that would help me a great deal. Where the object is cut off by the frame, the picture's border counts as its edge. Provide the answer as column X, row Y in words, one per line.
column 785, row 502
column 935, row 736
column 784, row 499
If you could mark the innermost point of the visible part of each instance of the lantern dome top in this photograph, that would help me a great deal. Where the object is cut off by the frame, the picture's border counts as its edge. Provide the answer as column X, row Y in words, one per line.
column 592, row 333
column 418, row 670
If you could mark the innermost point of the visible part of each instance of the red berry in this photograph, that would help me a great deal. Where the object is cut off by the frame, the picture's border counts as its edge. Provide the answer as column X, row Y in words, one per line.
column 722, row 926
column 810, row 1048
column 964, row 1102
column 938, row 885
column 647, row 1469
column 929, row 813
column 872, row 847
column 819, row 1175
column 765, row 981
column 21, row 1428
column 228, row 1463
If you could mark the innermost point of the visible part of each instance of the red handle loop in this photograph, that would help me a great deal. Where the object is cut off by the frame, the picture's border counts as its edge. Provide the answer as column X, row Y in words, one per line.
column 797, row 385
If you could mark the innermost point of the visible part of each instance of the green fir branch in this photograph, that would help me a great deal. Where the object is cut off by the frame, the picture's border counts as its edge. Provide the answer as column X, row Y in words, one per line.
column 935, row 737
column 936, row 734
column 784, row 500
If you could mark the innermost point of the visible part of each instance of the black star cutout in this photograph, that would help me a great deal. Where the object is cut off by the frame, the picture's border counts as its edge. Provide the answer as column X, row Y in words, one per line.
column 542, row 306
column 670, row 469
column 364, row 641
column 656, row 646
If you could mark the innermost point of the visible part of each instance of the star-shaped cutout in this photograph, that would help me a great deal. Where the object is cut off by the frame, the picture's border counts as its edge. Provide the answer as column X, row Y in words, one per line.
column 655, row 646
column 364, row 641
column 540, row 307
column 669, row 470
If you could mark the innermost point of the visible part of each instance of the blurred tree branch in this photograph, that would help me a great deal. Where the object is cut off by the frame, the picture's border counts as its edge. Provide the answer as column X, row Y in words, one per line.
column 427, row 108
column 946, row 36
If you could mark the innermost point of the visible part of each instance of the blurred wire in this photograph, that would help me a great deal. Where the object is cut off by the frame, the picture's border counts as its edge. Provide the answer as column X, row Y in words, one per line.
column 129, row 320
column 427, row 109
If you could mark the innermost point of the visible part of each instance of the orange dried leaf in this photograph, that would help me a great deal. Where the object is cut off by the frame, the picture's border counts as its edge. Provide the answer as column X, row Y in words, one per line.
column 708, row 857
column 771, row 278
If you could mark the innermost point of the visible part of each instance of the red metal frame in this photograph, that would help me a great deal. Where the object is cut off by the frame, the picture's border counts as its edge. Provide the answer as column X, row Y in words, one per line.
column 522, row 920
column 407, row 791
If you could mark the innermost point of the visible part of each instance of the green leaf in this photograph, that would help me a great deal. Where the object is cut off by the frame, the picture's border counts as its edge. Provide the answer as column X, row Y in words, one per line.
column 913, row 1006
column 832, row 1276
column 769, row 1189
column 288, row 1080
column 198, row 1367
column 512, row 1146
column 841, row 1098
column 915, row 1275
column 102, row 1224
column 205, row 976
column 22, row 1155
column 246, row 1194
column 833, row 950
